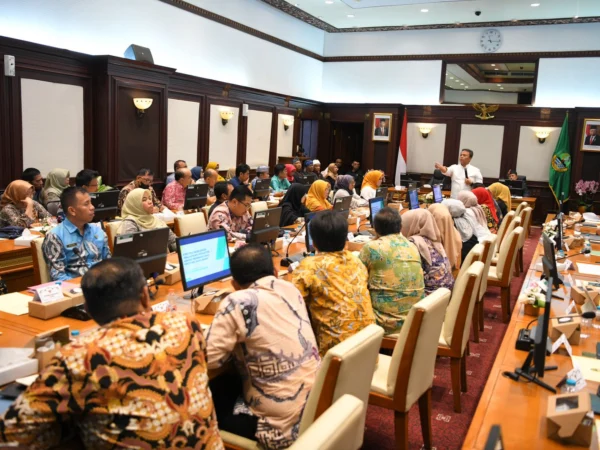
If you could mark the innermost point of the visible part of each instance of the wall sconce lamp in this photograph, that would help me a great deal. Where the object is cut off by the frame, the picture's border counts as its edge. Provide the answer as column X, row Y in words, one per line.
column 288, row 122
column 425, row 131
column 142, row 104
column 225, row 116
column 542, row 135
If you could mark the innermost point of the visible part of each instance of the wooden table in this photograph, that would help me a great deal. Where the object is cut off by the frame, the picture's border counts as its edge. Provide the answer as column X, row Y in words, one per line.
column 16, row 265
column 520, row 407
column 516, row 201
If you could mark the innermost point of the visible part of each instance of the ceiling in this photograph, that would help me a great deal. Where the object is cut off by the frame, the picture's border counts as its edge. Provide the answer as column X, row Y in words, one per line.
column 510, row 77
column 350, row 15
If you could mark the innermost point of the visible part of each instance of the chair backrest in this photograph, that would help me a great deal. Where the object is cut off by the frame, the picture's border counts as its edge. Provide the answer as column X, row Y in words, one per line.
column 41, row 274
column 190, row 224
column 416, row 348
column 52, row 207
column 520, row 207
column 460, row 309
column 353, row 360
column 489, row 248
column 507, row 254
column 525, row 223
column 508, row 218
column 112, row 230
column 338, row 427
column 205, row 210
column 476, row 254
column 257, row 207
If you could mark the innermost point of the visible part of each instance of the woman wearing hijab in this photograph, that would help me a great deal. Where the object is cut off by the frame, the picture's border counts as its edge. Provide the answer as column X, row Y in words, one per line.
column 137, row 216
column 292, row 205
column 230, row 173
column 215, row 166
column 290, row 170
column 501, row 194
column 316, row 199
column 196, row 173
column 332, row 174
column 464, row 225
column 371, row 182
column 475, row 214
column 420, row 228
column 451, row 239
column 56, row 182
column 485, row 200
column 18, row 208
column 344, row 187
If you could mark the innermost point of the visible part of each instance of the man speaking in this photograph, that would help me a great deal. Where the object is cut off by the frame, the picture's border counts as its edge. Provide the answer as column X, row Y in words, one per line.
column 463, row 175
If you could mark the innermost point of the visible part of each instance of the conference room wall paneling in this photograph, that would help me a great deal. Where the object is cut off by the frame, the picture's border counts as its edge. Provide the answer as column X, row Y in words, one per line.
column 423, row 153
column 182, row 132
column 223, row 139
column 531, row 152
column 258, row 147
column 285, row 139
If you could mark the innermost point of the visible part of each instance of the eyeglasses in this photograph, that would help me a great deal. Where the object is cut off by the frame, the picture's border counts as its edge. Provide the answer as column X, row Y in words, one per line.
column 247, row 205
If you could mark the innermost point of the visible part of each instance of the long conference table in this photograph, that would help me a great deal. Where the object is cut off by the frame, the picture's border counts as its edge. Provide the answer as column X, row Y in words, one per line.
column 520, row 407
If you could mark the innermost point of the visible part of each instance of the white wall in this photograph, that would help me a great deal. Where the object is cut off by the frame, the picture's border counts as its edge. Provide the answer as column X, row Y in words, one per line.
column 486, row 143
column 285, row 139
column 424, row 153
column 222, row 143
column 52, row 115
column 258, row 138
column 533, row 159
column 182, row 132
column 568, row 82
column 489, row 97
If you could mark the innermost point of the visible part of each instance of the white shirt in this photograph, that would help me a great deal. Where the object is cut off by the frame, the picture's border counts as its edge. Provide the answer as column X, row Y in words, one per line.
column 368, row 192
column 457, row 173
column 356, row 202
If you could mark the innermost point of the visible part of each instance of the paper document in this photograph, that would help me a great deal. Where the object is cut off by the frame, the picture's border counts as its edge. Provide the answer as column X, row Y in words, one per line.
column 590, row 367
column 15, row 303
column 11, row 356
column 590, row 217
column 589, row 269
column 27, row 381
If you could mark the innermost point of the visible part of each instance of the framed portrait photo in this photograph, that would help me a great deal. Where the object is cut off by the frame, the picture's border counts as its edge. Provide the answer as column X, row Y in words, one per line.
column 382, row 127
column 590, row 141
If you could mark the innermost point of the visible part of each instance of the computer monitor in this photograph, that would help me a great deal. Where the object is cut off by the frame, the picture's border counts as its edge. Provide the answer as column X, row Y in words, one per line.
column 342, row 203
column 265, row 228
column 195, row 196
column 550, row 256
column 302, row 179
column 147, row 248
column 203, row 258
column 413, row 199
column 375, row 204
column 105, row 204
column 382, row 192
column 312, row 177
column 262, row 188
column 437, row 193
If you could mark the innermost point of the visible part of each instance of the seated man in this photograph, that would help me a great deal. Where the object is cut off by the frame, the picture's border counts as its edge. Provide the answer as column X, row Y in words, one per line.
column 75, row 245
column 87, row 179
column 262, row 173
column 143, row 180
column 233, row 215
column 333, row 283
column 279, row 181
column 34, row 177
column 223, row 190
column 265, row 328
column 179, row 164
column 137, row 381
column 395, row 273
column 210, row 177
column 514, row 176
column 242, row 175
column 174, row 194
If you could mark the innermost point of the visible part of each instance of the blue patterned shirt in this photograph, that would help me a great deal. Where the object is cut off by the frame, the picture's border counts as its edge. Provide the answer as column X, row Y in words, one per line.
column 68, row 254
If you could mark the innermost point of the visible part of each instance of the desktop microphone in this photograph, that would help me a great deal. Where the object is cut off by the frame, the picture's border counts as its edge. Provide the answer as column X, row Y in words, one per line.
column 286, row 262
column 466, row 174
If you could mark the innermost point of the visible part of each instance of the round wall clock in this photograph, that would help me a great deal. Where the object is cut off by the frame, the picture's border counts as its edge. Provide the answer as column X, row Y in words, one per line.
column 490, row 40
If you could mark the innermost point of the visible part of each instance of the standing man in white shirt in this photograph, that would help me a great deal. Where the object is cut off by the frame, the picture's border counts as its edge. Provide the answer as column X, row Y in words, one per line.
column 463, row 175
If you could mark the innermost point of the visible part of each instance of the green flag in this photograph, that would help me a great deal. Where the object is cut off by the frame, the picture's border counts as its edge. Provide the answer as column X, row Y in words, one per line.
column 560, row 165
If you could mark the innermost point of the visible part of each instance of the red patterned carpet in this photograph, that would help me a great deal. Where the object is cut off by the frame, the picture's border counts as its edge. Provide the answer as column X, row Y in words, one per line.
column 450, row 428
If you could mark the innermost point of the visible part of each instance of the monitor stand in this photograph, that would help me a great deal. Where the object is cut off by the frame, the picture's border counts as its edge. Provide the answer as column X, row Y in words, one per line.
column 527, row 371
column 196, row 292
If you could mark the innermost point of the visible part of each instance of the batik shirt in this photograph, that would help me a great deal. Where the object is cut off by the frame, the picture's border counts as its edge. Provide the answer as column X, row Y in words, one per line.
column 174, row 196
column 334, row 286
column 438, row 274
column 13, row 216
column 491, row 222
column 68, row 254
column 266, row 330
column 395, row 279
column 236, row 227
column 139, row 382
column 130, row 187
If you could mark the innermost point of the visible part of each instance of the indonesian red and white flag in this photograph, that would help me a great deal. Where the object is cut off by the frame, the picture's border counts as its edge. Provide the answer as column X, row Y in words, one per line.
column 402, row 152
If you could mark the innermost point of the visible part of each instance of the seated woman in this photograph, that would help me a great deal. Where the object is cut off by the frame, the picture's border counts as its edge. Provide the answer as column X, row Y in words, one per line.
column 332, row 174
column 290, row 171
column 18, row 208
column 420, row 228
column 292, row 205
column 450, row 236
column 56, row 182
column 344, row 187
column 316, row 199
column 371, row 182
column 230, row 173
column 197, row 173
column 485, row 200
column 475, row 214
column 215, row 166
column 395, row 274
column 137, row 216
column 501, row 195
column 464, row 225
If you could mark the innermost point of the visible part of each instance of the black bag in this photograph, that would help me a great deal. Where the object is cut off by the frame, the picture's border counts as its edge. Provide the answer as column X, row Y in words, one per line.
column 11, row 232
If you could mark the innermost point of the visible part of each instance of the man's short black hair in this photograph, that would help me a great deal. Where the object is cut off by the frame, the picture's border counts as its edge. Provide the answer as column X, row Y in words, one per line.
column 112, row 289
column 69, row 197
column 241, row 168
column 470, row 152
column 387, row 221
column 179, row 174
column 144, row 172
column 177, row 164
column 250, row 263
column 84, row 177
column 240, row 193
column 29, row 174
column 329, row 231
column 221, row 189
column 278, row 169
column 477, row 185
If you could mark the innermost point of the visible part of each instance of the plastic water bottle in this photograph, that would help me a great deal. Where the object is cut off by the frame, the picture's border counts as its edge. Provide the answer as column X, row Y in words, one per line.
column 172, row 299
column 571, row 386
column 75, row 333
column 286, row 239
column 587, row 247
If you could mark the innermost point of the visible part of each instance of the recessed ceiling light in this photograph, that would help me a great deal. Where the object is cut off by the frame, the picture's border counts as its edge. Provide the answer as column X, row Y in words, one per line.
column 535, row 5
column 424, row 10
column 350, row 16
column 466, row 87
column 514, row 20
column 576, row 17
column 320, row 17
column 501, row 88
column 462, row 84
column 296, row 4
column 329, row 2
column 493, row 65
column 457, row 81
column 496, row 68
column 498, row 85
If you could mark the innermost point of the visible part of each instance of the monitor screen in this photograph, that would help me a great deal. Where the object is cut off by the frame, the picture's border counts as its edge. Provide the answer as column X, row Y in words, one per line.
column 262, row 188
column 105, row 204
column 375, row 204
column 265, row 227
column 148, row 248
column 437, row 193
column 413, row 199
column 196, row 196
column 541, row 335
column 203, row 258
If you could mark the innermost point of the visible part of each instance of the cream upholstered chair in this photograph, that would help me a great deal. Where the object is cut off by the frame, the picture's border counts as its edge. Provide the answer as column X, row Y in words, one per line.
column 335, row 429
column 489, row 247
column 520, row 207
column 190, row 224
column 41, row 274
column 346, row 368
column 257, row 207
column 111, row 229
column 516, row 222
column 508, row 218
column 406, row 377
column 525, row 217
column 476, row 254
column 501, row 274
column 205, row 210
column 455, row 330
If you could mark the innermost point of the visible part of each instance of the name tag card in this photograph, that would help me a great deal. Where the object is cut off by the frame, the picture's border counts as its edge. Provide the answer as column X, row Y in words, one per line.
column 50, row 293
column 161, row 307
column 570, row 308
column 562, row 340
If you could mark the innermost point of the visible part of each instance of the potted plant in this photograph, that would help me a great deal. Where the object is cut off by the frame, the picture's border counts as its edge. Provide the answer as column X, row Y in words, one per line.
column 586, row 191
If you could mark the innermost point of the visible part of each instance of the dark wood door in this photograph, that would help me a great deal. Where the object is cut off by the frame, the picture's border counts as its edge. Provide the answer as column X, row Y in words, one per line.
column 346, row 142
